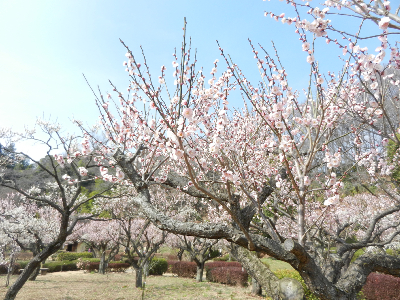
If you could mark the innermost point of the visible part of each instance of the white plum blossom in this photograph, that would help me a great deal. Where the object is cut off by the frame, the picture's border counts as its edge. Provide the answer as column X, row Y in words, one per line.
column 384, row 23
column 188, row 113
column 82, row 171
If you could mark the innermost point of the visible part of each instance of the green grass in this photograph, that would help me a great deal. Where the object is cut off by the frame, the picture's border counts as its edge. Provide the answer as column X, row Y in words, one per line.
column 275, row 264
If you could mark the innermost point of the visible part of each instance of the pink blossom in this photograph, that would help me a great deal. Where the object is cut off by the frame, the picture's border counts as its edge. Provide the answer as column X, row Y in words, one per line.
column 310, row 59
column 119, row 174
column 305, row 46
column 384, row 23
column 332, row 200
column 188, row 113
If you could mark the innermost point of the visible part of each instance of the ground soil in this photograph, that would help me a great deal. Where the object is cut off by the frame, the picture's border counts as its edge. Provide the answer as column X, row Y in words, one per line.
column 77, row 285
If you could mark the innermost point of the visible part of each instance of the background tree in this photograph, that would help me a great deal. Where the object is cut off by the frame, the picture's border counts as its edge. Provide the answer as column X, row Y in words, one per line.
column 62, row 195
column 199, row 250
column 102, row 237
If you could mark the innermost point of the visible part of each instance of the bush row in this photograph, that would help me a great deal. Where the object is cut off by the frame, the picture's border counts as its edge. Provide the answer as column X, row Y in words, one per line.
column 219, row 264
column 55, row 266
column 381, row 287
column 112, row 266
column 4, row 269
column 73, row 255
column 183, row 268
column 228, row 275
column 217, row 271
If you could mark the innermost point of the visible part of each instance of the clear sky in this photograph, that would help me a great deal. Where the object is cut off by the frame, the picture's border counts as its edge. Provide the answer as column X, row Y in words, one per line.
column 45, row 46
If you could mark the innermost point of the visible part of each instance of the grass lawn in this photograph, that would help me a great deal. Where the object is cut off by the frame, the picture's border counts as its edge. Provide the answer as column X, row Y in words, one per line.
column 74, row 285
column 275, row 264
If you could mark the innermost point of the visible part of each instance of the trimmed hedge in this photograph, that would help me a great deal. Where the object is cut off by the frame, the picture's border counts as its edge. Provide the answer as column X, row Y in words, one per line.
column 170, row 264
column 23, row 263
column 117, row 267
column 228, row 275
column 57, row 266
column 184, row 269
column 158, row 266
column 219, row 264
column 381, row 287
column 4, row 269
column 112, row 266
column 73, row 255
column 53, row 266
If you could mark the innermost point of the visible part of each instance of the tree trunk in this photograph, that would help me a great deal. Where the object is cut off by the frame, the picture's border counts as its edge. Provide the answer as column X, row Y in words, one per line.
column 30, row 268
column 139, row 273
column 255, row 287
column 257, row 270
column 180, row 253
column 10, row 269
column 199, row 273
column 34, row 274
column 103, row 263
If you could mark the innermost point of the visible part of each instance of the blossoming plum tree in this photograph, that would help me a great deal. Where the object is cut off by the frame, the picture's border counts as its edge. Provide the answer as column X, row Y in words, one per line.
column 27, row 226
column 200, row 250
column 139, row 238
column 281, row 156
column 100, row 235
column 61, row 197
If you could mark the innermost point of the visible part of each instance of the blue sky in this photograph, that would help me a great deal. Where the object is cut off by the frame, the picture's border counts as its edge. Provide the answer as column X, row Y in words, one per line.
column 45, row 46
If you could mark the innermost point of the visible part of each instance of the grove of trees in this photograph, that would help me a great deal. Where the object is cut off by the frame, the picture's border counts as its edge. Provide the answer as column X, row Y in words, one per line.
column 307, row 178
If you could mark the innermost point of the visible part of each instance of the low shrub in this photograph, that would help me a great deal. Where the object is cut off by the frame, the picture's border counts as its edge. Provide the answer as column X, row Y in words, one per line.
column 58, row 266
column 228, row 275
column 184, row 269
column 117, row 267
column 170, row 264
column 219, row 264
column 73, row 255
column 112, row 266
column 90, row 259
column 92, row 266
column 23, row 263
column 381, row 287
column 4, row 269
column 119, row 256
column 158, row 266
